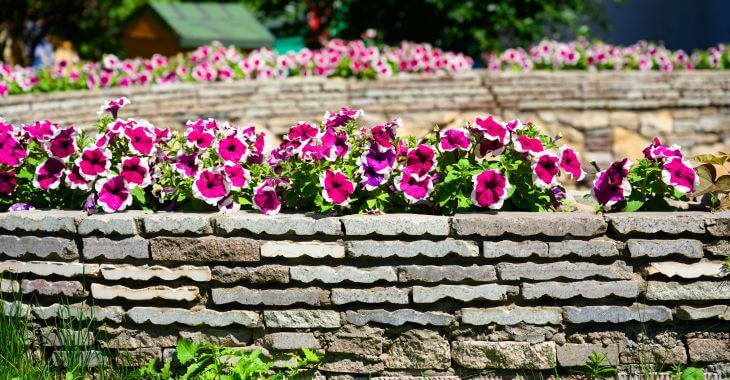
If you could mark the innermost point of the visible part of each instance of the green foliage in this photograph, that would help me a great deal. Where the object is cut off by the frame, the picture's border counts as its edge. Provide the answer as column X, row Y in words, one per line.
column 679, row 372
column 649, row 192
column 597, row 367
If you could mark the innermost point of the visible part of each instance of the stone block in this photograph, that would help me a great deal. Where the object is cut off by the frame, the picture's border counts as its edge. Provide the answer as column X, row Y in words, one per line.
column 529, row 224
column 465, row 293
column 341, row 364
column 373, row 295
column 134, row 248
column 575, row 355
column 301, row 319
column 682, row 270
column 54, row 221
column 503, row 355
column 333, row 275
column 399, row 317
column 396, row 224
column 290, row 250
column 41, row 287
column 291, row 341
column 92, row 359
column 177, row 223
column 55, row 337
column 656, row 222
column 204, row 249
column 21, row 247
column 418, row 349
column 362, row 341
column 617, row 314
column 146, row 272
column 689, row 313
column 586, row 289
column 574, row 271
column 703, row 350
column 661, row 248
column 512, row 315
column 719, row 248
column 120, row 223
column 521, row 249
column 49, row 268
column 183, row 293
column 125, row 339
column 198, row 317
column 286, row 224
column 79, row 311
column 693, row 291
column 269, row 297
column 581, row 248
column 443, row 273
column 718, row 223
column 257, row 275
column 408, row 249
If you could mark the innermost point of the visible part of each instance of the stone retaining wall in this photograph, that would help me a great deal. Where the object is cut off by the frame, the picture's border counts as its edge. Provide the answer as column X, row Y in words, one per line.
column 386, row 295
column 603, row 114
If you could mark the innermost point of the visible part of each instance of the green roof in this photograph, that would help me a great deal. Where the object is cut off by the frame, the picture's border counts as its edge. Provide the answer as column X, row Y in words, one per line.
column 196, row 24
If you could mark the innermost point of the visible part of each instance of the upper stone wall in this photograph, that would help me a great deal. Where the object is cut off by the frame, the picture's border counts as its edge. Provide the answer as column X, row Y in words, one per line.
column 603, row 114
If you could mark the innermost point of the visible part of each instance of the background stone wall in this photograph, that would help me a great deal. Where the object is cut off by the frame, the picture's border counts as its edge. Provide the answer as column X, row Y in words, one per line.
column 603, row 115
column 390, row 294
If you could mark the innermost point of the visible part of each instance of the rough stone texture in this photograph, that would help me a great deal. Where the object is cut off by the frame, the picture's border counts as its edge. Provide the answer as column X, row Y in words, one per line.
column 419, row 349
column 617, row 314
column 145, row 272
column 575, row 355
column 590, row 248
column 301, row 319
column 586, row 289
column 718, row 224
column 134, row 247
column 373, row 295
column 503, row 355
column 514, row 223
column 258, row 275
column 655, row 222
column 719, row 248
column 399, row 317
column 490, row 292
column 693, row 291
column 205, row 249
column 123, row 224
column 184, row 293
column 170, row 223
column 286, row 224
column 427, row 248
column 292, row 250
column 124, row 338
column 521, row 249
column 271, row 297
column 451, row 273
column 54, row 221
column 91, row 358
column 41, row 287
column 576, row 271
column 395, row 224
column 695, row 270
column 49, row 268
column 291, row 341
column 333, row 275
column 659, row 248
column 167, row 316
column 357, row 341
column 43, row 247
column 79, row 312
column 709, row 350
column 512, row 315
column 697, row 313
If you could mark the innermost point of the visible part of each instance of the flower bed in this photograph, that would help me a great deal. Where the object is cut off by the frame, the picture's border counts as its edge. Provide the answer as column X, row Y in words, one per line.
column 583, row 55
column 336, row 167
column 216, row 62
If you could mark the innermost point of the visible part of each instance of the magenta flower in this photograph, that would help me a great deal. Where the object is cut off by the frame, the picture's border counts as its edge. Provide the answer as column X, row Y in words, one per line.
column 414, row 188
column 370, row 179
column 570, row 164
column 490, row 189
column 41, row 130
column 113, row 106
column 93, row 162
column 339, row 119
column 114, row 194
column 74, row 179
column 265, row 198
column 524, row 144
column 187, row 164
column 210, row 186
column 238, row 176
column 135, row 171
column 491, row 130
column 302, row 132
column 336, row 187
column 384, row 135
column 141, row 140
column 232, row 149
column 380, row 162
column 63, row 144
column 612, row 185
column 657, row 151
column 420, row 160
column 545, row 169
column 11, row 152
column 678, row 173
column 453, row 139
column 228, row 205
column 198, row 137
column 7, row 182
column 48, row 174
column 320, row 148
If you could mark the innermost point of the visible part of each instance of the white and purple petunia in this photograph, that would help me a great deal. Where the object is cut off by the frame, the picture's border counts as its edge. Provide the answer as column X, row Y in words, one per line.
column 336, row 187
column 545, row 169
column 570, row 164
column 187, row 164
column 238, row 176
column 63, row 144
column 612, row 185
column 11, row 152
column 265, row 198
column 421, row 160
column 75, row 180
column 530, row 145
column 370, row 179
column 415, row 188
column 490, row 189
column 135, row 171
column 197, row 136
column 210, row 186
column 678, row 173
column 8, row 182
column 114, row 194
column 453, row 139
column 492, row 130
column 93, row 162
column 658, row 151
column 232, row 149
column 113, row 106
column 379, row 161
column 141, row 140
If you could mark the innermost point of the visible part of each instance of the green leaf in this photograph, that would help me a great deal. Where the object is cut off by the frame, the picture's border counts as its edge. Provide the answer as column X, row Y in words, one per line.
column 723, row 183
column 634, row 203
column 692, row 373
column 711, row 159
column 310, row 356
column 186, row 350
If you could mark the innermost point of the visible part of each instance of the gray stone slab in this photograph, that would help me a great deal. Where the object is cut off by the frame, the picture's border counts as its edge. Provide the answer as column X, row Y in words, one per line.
column 301, row 319
column 205, row 249
column 291, row 341
column 529, row 224
column 283, row 224
column 373, row 295
column 665, row 247
column 396, row 224
column 693, row 291
column 333, row 275
column 617, row 314
column 466, row 293
column 689, row 313
column 586, row 289
column 583, row 248
column 399, row 317
column 121, row 223
column 656, row 222
column 100, row 247
column 41, row 221
column 569, row 270
column 575, row 355
column 177, row 223
column 503, row 355
column 42, row 247
column 406, row 249
column 521, row 249
column 269, row 297
column 512, row 315
column 202, row 317
column 452, row 273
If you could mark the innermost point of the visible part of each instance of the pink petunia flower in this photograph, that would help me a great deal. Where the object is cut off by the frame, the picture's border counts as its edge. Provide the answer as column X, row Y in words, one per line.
column 113, row 106
column 48, row 174
column 135, row 171
column 187, row 164
column 678, row 173
column 570, row 164
column 141, row 140
column 545, row 169
column 11, row 152
column 420, row 160
column 238, row 176
column 302, row 132
column 232, row 149
column 524, row 144
column 657, row 151
column 491, row 130
column 612, row 185
column 93, row 162
column 114, row 195
column 41, row 130
column 370, row 179
column 339, row 119
column 414, row 188
column 265, row 198
column 453, row 139
column 490, row 189
column 7, row 182
column 336, row 187
column 198, row 137
column 380, row 161
column 210, row 186
column 63, row 144
column 74, row 179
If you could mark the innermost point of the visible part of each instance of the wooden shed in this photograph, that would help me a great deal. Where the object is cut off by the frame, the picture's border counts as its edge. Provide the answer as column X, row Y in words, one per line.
column 169, row 28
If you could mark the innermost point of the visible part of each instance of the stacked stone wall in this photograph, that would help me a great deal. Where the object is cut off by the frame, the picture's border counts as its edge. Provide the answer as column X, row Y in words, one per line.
column 388, row 295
